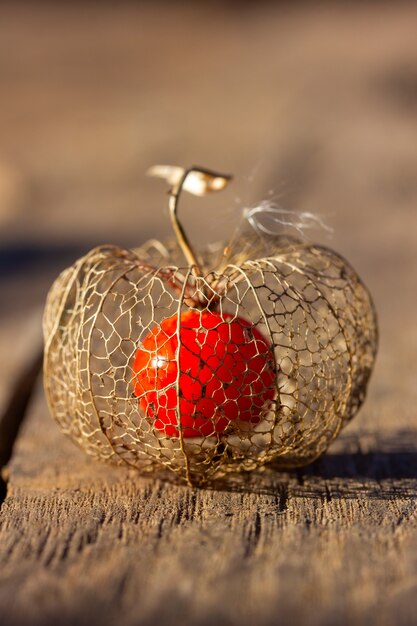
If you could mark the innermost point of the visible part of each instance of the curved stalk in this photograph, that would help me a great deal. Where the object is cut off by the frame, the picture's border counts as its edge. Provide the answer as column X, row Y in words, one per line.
column 174, row 195
column 199, row 182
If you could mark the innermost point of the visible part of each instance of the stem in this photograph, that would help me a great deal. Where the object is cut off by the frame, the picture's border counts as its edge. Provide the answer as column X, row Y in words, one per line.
column 182, row 238
column 202, row 182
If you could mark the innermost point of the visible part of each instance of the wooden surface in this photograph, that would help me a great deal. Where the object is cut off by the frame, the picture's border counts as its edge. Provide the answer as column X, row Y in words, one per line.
column 335, row 543
column 322, row 104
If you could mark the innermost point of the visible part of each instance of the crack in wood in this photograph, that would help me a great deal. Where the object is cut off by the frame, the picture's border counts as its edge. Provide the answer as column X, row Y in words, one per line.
column 253, row 536
column 283, row 498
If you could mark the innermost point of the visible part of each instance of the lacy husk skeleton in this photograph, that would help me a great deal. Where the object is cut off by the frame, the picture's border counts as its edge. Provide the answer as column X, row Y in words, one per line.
column 305, row 300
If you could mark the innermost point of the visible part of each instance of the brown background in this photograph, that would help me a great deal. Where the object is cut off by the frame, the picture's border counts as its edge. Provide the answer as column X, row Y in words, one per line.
column 316, row 103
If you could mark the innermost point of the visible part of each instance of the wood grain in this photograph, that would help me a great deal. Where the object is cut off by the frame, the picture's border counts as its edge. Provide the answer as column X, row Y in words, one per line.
column 322, row 105
column 83, row 542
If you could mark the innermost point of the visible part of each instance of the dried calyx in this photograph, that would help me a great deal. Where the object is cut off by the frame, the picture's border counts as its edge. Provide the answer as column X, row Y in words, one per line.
column 261, row 358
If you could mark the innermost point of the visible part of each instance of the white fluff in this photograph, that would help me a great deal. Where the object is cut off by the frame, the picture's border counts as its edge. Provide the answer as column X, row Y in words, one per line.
column 267, row 218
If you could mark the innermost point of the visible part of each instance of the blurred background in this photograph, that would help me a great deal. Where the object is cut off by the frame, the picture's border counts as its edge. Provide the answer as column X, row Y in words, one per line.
column 313, row 104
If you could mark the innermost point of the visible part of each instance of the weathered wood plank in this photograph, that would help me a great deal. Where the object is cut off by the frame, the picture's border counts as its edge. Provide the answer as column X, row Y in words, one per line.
column 82, row 541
